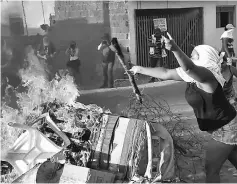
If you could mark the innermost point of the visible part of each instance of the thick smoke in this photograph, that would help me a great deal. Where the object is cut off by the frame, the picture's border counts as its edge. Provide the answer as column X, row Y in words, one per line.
column 10, row 9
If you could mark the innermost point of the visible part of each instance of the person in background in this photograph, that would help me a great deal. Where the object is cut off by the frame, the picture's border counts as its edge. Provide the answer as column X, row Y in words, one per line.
column 74, row 62
column 228, row 73
column 227, row 43
column 108, row 59
column 6, row 54
column 205, row 95
column 46, row 51
column 9, row 69
column 156, row 51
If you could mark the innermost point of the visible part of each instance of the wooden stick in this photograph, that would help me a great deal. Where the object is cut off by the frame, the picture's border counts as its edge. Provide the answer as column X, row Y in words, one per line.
column 131, row 78
column 148, row 172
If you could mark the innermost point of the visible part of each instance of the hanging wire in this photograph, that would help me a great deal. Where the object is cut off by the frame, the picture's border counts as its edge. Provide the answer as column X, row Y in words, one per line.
column 22, row 3
column 43, row 10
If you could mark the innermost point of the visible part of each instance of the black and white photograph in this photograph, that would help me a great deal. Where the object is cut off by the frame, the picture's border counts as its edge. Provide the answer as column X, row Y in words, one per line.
column 118, row 91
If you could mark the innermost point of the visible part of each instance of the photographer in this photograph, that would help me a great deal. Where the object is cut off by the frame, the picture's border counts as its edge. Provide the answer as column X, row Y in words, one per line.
column 74, row 62
column 156, row 50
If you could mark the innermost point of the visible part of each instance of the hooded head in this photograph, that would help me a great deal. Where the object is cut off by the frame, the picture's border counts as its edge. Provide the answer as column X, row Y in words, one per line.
column 208, row 57
column 229, row 27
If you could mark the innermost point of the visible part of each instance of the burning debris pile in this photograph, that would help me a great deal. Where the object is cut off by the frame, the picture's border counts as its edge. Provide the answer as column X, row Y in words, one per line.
column 57, row 98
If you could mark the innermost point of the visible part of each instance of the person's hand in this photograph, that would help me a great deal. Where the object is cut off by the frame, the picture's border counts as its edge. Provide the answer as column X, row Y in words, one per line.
column 229, row 61
column 135, row 69
column 170, row 43
column 44, row 57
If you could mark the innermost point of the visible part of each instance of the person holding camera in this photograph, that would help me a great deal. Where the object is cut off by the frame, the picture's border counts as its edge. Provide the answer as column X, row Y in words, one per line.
column 156, row 52
column 74, row 62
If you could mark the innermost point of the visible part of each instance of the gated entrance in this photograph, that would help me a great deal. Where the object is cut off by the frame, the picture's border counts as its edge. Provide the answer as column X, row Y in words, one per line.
column 184, row 25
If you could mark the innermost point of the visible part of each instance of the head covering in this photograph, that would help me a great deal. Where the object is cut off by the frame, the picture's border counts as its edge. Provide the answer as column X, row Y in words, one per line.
column 73, row 44
column 229, row 32
column 208, row 58
column 229, row 26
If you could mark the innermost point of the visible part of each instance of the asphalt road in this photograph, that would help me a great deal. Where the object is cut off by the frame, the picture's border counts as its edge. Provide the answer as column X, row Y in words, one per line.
column 117, row 99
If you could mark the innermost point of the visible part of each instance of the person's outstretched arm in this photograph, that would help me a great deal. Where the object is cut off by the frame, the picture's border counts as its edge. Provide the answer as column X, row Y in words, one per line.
column 225, row 43
column 198, row 73
column 158, row 72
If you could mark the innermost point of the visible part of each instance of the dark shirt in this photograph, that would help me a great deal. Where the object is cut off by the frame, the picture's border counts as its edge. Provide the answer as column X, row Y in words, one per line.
column 156, row 47
column 212, row 110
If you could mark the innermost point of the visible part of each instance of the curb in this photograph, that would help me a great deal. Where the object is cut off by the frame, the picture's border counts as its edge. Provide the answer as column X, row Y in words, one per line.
column 148, row 85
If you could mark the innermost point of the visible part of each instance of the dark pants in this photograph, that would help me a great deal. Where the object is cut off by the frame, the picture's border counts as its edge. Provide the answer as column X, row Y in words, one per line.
column 74, row 66
column 155, row 62
column 108, row 74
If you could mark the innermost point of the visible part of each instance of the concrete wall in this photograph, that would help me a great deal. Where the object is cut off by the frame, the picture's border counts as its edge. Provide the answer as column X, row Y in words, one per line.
column 211, row 33
column 86, row 22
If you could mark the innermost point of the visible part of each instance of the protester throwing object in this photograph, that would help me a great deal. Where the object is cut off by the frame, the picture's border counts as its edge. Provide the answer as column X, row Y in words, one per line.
column 205, row 95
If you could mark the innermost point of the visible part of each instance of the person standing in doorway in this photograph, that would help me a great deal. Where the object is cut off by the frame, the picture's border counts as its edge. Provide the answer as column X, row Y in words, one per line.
column 155, row 51
column 227, row 43
column 74, row 62
column 108, row 59
column 46, row 52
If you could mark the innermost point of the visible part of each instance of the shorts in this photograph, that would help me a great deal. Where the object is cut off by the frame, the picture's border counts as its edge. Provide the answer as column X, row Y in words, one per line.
column 227, row 134
column 74, row 64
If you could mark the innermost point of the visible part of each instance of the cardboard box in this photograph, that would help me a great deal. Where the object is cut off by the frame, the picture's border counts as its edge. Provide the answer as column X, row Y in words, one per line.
column 76, row 174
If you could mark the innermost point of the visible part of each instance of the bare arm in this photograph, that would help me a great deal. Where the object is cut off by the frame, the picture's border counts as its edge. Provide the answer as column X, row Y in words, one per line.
column 233, row 70
column 198, row 73
column 224, row 43
column 38, row 52
column 77, row 52
column 53, row 49
column 160, row 72
column 67, row 51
